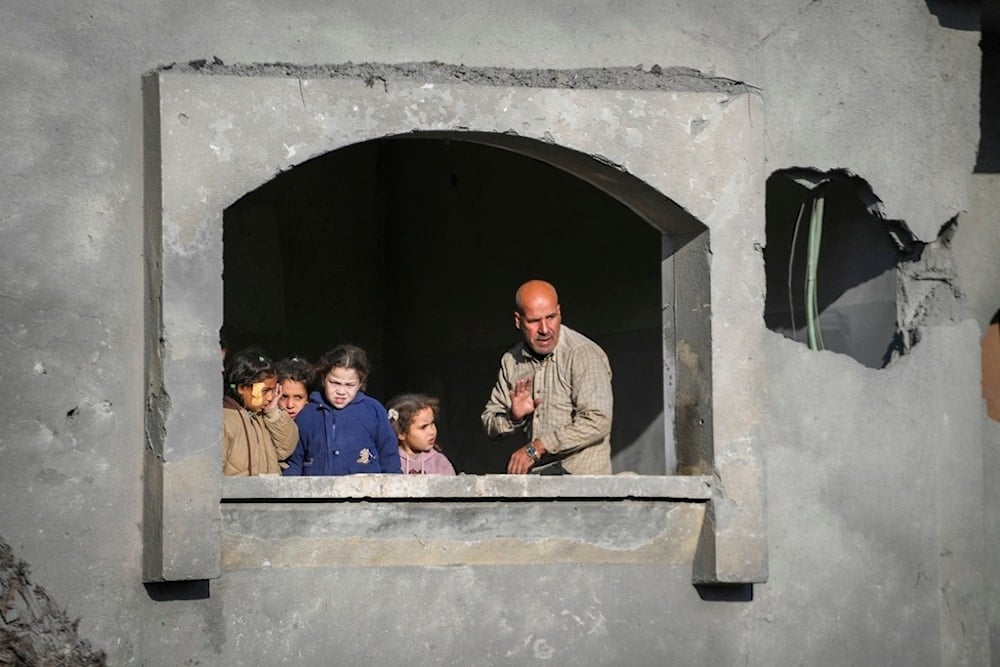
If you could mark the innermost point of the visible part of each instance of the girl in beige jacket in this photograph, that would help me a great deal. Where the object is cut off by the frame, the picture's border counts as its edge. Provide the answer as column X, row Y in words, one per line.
column 257, row 434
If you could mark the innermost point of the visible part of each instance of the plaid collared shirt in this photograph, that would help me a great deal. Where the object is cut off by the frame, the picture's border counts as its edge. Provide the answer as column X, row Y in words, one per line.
column 573, row 420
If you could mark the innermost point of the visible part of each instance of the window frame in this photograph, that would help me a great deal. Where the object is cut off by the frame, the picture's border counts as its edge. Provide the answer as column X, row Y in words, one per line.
column 210, row 138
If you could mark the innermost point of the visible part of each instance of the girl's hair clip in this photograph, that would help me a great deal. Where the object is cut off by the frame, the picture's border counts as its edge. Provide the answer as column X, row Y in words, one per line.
column 232, row 386
column 261, row 358
column 393, row 414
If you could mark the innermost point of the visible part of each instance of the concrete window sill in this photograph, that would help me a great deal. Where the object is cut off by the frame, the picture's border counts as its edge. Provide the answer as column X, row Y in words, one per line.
column 388, row 488
column 496, row 520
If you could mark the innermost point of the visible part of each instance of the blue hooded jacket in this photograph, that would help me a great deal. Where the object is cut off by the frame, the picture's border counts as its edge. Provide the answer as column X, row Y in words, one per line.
column 355, row 439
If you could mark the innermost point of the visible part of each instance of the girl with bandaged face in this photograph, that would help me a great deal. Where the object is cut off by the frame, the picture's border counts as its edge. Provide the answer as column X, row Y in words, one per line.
column 257, row 434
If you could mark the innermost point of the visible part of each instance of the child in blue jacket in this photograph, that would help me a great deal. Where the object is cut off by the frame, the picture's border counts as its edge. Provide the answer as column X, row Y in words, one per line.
column 342, row 431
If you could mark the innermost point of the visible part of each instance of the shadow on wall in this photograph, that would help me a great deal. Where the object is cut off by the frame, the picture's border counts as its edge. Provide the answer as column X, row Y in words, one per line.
column 166, row 591
column 988, row 156
column 725, row 592
column 413, row 248
column 956, row 15
column 981, row 17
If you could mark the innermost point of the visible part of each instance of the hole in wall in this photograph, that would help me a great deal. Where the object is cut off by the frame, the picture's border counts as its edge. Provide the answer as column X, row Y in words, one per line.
column 412, row 248
column 855, row 254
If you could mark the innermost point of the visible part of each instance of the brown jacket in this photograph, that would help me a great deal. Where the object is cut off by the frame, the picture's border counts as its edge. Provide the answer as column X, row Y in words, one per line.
column 253, row 443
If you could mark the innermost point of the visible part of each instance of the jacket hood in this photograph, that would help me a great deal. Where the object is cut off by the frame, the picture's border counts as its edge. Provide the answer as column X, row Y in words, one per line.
column 424, row 462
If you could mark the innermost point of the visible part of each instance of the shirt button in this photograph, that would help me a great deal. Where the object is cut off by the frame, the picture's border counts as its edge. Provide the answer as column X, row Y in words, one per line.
column 337, row 452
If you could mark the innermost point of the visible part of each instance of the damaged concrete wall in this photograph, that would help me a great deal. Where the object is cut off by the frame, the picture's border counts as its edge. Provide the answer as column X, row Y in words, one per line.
column 875, row 478
column 33, row 629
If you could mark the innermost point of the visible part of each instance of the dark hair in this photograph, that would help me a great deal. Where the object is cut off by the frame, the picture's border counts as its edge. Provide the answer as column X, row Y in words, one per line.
column 406, row 407
column 297, row 369
column 344, row 356
column 245, row 367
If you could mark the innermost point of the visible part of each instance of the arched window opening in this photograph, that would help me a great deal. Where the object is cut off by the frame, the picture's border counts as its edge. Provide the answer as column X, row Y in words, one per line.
column 412, row 247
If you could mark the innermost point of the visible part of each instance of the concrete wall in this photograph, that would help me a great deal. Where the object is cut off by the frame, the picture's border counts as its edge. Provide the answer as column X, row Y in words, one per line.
column 875, row 478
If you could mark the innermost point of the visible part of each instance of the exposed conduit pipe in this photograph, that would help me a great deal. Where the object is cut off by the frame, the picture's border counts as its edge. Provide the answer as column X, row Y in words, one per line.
column 791, row 267
column 812, row 267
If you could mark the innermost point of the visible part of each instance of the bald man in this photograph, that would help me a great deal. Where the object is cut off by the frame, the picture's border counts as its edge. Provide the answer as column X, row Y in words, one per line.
column 554, row 389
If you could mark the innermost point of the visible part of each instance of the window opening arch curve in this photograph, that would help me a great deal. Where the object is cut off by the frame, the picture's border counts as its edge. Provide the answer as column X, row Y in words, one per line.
column 411, row 245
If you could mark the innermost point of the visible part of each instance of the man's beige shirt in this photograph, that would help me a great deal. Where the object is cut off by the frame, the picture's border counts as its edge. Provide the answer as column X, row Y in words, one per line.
column 573, row 420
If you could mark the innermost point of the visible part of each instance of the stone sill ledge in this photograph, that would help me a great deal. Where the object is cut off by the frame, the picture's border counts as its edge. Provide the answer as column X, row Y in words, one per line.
column 694, row 488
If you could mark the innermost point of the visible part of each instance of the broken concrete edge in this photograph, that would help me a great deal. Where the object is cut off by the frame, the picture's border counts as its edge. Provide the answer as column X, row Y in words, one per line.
column 468, row 487
column 157, row 402
column 684, row 79
column 810, row 178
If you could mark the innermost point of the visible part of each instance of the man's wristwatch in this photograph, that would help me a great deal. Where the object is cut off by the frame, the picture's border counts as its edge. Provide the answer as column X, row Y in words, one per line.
column 531, row 452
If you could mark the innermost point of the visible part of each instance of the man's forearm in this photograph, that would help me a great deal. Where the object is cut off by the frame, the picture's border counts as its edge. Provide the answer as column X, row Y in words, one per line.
column 496, row 417
column 587, row 429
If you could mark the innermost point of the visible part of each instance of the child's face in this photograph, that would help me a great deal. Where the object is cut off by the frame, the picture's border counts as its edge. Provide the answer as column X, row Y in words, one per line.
column 422, row 434
column 340, row 386
column 294, row 397
column 257, row 394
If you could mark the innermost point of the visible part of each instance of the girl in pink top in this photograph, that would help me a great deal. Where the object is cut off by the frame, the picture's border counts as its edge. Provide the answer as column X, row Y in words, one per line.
column 412, row 417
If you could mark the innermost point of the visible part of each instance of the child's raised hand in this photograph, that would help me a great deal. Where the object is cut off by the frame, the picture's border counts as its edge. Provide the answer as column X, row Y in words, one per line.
column 275, row 395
